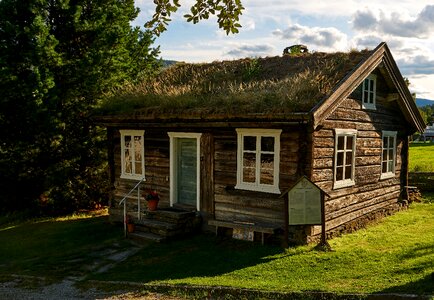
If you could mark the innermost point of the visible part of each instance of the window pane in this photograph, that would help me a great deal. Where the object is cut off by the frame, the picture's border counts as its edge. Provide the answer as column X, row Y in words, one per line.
column 340, row 142
column 371, row 98
column 267, row 161
column 340, row 159
column 138, row 154
column 384, row 167
column 385, row 142
column 366, row 82
column 365, row 97
column 128, row 162
column 391, row 154
column 249, row 167
column 138, row 141
column 249, row 175
column 127, row 140
column 348, row 172
column 267, row 176
column 339, row 173
column 349, row 158
column 371, row 86
column 384, row 155
column 267, row 144
column 138, row 166
column 349, row 142
column 250, row 143
column 390, row 166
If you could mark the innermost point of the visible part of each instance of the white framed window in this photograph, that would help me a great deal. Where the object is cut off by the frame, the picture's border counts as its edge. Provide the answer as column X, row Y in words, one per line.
column 388, row 154
column 369, row 92
column 258, row 159
column 345, row 157
column 132, row 154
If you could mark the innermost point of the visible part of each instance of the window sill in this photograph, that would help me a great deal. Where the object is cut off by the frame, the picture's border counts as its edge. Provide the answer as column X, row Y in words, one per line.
column 254, row 188
column 387, row 175
column 369, row 106
column 343, row 183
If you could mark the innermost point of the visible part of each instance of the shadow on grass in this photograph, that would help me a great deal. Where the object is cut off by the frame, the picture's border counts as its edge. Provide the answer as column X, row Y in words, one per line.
column 200, row 256
column 418, row 260
column 54, row 248
column 424, row 286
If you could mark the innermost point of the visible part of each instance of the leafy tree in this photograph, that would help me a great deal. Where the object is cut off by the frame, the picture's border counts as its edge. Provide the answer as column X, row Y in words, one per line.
column 227, row 11
column 57, row 60
column 427, row 113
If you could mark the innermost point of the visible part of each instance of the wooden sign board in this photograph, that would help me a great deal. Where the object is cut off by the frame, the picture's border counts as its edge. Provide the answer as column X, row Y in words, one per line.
column 304, row 203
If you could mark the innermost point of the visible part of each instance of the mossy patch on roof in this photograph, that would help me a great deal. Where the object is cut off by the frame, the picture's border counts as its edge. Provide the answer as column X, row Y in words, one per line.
column 271, row 85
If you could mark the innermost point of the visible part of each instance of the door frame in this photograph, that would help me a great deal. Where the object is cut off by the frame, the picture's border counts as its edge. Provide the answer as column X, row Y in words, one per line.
column 173, row 164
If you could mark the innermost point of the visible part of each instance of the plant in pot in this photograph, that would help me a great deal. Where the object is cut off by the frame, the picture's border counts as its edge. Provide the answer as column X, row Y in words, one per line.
column 130, row 223
column 152, row 197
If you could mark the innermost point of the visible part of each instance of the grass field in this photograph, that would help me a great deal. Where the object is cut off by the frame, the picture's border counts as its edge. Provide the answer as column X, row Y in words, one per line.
column 55, row 247
column 421, row 157
column 396, row 255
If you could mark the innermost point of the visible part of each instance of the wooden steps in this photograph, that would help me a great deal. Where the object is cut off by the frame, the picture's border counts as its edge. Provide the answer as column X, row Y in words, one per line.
column 160, row 225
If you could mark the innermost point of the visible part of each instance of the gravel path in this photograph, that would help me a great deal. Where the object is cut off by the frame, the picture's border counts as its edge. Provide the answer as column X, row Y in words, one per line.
column 66, row 290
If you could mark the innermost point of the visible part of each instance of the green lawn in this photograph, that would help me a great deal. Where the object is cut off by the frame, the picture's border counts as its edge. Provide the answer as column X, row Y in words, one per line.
column 396, row 255
column 55, row 248
column 421, row 157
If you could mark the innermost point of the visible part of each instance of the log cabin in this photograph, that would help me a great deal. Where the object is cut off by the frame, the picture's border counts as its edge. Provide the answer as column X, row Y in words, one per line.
column 225, row 139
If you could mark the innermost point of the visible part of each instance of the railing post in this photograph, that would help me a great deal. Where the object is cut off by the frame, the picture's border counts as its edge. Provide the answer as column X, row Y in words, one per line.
column 124, row 200
column 125, row 218
column 138, row 203
column 286, row 220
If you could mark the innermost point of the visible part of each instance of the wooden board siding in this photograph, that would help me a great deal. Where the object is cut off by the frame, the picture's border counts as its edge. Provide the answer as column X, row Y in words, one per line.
column 250, row 206
column 369, row 193
column 218, row 174
column 157, row 169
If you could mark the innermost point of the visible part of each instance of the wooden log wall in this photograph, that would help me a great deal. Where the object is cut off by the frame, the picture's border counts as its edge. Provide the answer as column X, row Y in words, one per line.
column 250, row 206
column 157, row 169
column 369, row 193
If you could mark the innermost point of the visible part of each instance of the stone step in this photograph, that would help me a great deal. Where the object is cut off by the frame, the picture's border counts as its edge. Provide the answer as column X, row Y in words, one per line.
column 145, row 236
column 156, row 224
column 170, row 215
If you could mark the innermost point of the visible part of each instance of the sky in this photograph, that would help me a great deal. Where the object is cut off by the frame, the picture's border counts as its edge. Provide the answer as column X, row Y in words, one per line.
column 407, row 26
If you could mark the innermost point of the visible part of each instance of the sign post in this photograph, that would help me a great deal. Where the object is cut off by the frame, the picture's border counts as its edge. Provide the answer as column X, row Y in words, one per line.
column 304, row 204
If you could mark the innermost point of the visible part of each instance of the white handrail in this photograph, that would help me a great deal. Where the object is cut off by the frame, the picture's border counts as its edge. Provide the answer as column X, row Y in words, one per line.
column 124, row 200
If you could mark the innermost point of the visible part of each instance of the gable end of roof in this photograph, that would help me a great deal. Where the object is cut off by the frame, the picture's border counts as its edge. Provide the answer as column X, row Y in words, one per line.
column 381, row 54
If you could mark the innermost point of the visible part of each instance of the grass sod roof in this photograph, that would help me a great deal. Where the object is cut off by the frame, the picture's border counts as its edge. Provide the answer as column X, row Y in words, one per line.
column 270, row 86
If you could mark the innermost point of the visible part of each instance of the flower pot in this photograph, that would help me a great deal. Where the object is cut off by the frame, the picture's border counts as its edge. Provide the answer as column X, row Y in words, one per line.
column 130, row 227
column 152, row 204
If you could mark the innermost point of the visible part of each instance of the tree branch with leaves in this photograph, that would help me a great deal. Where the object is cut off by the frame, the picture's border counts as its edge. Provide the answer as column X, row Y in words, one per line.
column 228, row 14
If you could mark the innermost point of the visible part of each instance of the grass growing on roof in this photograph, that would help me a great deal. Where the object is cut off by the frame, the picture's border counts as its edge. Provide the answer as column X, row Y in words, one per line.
column 263, row 85
column 395, row 256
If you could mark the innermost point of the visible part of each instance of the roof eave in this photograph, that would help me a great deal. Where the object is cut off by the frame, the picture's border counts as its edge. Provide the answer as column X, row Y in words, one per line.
column 167, row 119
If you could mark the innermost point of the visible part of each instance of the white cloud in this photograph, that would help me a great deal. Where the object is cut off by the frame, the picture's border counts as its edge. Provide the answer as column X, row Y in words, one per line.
column 419, row 64
column 396, row 24
column 329, row 37
column 422, row 85
column 250, row 51
column 370, row 41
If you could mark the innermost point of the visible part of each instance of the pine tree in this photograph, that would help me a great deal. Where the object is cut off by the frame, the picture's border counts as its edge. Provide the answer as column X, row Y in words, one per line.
column 57, row 59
